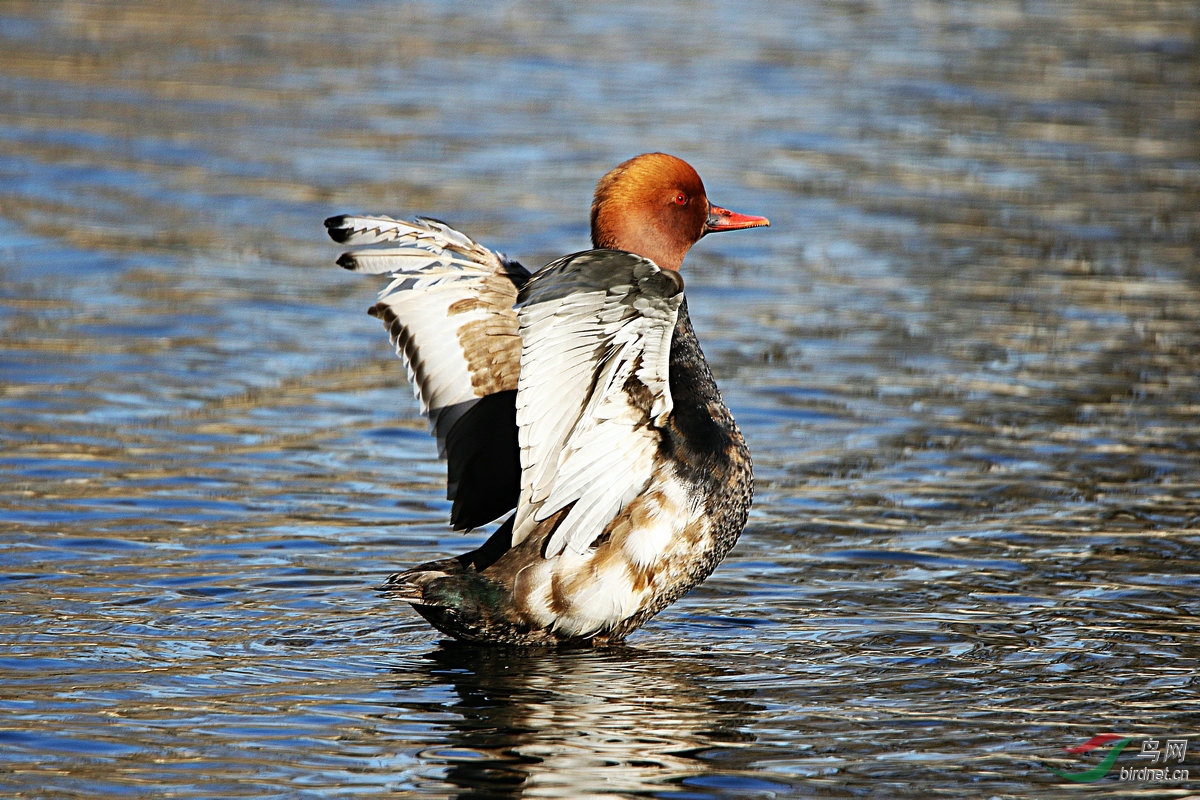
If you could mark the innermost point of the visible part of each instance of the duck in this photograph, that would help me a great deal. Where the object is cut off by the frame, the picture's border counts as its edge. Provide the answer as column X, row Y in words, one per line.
column 573, row 406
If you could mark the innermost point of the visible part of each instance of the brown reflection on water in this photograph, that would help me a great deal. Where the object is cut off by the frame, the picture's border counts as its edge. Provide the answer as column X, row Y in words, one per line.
column 579, row 723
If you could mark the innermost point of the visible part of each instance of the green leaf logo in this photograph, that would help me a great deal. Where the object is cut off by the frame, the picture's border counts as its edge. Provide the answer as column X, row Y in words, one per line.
column 1100, row 770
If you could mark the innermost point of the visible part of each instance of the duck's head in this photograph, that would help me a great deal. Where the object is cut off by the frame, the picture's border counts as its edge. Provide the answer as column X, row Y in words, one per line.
column 654, row 205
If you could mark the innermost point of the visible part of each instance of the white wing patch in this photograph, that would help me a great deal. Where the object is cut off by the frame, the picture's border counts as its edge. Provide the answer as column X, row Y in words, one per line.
column 429, row 236
column 596, row 333
column 448, row 307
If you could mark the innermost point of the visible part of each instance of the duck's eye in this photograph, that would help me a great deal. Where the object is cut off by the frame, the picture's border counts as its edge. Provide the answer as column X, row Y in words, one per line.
column 681, row 199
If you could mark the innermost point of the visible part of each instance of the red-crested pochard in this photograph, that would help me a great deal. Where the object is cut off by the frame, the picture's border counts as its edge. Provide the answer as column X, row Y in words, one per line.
column 576, row 397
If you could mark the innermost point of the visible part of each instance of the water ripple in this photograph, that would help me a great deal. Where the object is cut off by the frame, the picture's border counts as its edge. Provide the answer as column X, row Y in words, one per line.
column 965, row 356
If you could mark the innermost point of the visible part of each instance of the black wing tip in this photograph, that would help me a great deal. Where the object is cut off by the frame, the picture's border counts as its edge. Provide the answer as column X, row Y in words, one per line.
column 347, row 261
column 337, row 228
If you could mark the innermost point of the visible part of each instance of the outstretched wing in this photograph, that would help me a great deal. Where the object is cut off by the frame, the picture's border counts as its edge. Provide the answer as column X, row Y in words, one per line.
column 596, row 333
column 449, row 311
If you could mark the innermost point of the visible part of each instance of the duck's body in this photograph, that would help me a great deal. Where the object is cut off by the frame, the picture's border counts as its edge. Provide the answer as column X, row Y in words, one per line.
column 588, row 408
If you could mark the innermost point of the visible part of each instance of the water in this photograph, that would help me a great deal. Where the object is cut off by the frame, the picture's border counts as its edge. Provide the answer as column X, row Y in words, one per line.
column 966, row 356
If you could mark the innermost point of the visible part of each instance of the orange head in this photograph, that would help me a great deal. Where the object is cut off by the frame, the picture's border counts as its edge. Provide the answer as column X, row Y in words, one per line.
column 654, row 205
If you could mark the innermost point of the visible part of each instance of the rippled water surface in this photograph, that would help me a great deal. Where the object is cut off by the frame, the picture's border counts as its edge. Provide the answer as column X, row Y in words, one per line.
column 966, row 356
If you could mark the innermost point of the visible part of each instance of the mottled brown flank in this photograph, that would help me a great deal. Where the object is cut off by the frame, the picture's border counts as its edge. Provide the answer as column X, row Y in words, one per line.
column 565, row 585
column 561, row 588
column 511, row 570
column 523, row 589
column 491, row 345
column 642, row 578
column 740, row 464
column 635, row 516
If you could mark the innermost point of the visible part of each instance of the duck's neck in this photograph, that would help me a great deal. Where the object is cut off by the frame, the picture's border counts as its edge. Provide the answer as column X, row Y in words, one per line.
column 705, row 435
column 692, row 383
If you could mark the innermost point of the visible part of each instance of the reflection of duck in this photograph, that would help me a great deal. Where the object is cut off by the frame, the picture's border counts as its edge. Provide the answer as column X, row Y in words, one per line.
column 589, row 408
column 572, row 723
